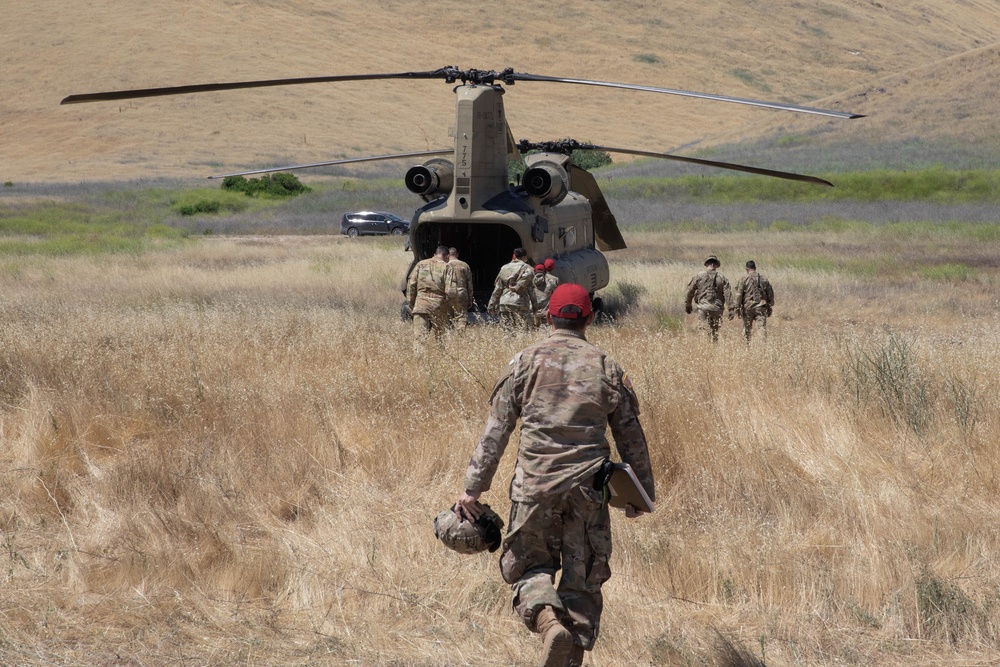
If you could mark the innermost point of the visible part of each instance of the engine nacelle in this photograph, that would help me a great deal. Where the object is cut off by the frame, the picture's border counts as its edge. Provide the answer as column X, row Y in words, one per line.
column 432, row 179
column 546, row 177
column 587, row 267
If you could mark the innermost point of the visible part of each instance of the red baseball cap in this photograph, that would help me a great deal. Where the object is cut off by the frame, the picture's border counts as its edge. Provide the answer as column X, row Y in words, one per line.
column 570, row 294
column 539, row 267
column 550, row 264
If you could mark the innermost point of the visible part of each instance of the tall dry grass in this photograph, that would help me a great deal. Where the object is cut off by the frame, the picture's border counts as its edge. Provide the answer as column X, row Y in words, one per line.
column 229, row 454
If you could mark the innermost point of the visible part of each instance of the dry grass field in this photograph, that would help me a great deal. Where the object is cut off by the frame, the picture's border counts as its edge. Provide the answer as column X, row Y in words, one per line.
column 923, row 70
column 227, row 454
column 224, row 451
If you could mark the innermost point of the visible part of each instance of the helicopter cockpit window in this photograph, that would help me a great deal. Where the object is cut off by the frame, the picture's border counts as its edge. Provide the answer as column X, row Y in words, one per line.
column 568, row 235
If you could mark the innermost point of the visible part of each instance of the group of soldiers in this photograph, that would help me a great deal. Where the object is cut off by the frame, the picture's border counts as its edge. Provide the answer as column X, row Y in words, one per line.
column 709, row 293
column 567, row 394
column 440, row 292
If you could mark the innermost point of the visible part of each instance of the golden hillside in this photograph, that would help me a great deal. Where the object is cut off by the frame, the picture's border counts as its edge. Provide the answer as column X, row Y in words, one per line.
column 821, row 53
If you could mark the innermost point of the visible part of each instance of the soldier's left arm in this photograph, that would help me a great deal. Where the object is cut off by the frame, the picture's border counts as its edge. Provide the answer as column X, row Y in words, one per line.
column 630, row 439
column 495, row 296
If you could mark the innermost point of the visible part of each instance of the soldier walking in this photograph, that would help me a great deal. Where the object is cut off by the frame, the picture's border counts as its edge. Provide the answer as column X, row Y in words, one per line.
column 427, row 296
column 543, row 283
column 566, row 392
column 513, row 297
column 460, row 290
column 709, row 292
column 753, row 301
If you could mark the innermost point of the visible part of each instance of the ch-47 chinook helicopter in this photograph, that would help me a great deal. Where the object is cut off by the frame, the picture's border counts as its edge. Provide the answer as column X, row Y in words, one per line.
column 557, row 210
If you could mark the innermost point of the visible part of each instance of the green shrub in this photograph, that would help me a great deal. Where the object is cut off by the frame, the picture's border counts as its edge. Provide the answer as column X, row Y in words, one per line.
column 588, row 160
column 272, row 185
column 202, row 201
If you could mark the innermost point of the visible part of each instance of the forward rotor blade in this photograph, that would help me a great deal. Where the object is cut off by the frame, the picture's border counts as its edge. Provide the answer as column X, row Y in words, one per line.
column 210, row 87
column 519, row 76
column 712, row 163
column 397, row 156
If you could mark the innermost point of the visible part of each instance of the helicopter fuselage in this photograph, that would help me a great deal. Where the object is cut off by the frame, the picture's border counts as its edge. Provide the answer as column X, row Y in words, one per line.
column 471, row 205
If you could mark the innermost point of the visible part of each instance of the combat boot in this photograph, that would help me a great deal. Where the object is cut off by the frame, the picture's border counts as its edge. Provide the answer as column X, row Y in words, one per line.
column 575, row 657
column 557, row 642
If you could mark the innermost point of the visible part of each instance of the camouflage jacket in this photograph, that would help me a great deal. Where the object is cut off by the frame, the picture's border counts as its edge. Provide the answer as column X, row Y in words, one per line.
column 544, row 285
column 459, row 283
column 753, row 292
column 426, row 288
column 566, row 392
column 709, row 291
column 512, row 289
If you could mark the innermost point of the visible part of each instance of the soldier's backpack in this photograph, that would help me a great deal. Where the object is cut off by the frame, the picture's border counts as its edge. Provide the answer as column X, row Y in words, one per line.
column 757, row 293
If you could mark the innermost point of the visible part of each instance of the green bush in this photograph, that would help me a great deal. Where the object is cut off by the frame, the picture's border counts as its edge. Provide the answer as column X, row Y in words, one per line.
column 202, row 201
column 271, row 185
column 588, row 160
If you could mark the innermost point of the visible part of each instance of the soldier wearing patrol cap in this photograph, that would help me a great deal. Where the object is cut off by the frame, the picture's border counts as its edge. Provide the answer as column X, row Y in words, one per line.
column 709, row 292
column 566, row 392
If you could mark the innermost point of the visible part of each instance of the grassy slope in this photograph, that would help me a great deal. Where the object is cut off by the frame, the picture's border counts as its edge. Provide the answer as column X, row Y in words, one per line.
column 783, row 50
column 194, row 471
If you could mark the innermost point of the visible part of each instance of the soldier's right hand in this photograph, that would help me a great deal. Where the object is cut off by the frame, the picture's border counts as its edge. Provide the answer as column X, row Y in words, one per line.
column 631, row 512
column 467, row 505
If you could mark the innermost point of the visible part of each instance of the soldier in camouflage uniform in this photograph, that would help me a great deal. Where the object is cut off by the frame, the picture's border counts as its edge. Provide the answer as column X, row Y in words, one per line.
column 544, row 283
column 459, row 289
column 709, row 291
column 566, row 392
column 753, row 301
column 513, row 297
column 426, row 293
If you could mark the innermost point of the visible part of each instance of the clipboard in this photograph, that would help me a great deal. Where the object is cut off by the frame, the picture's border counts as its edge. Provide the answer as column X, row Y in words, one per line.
column 624, row 488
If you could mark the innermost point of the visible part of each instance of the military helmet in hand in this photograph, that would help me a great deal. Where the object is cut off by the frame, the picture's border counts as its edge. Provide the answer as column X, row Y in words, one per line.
column 469, row 537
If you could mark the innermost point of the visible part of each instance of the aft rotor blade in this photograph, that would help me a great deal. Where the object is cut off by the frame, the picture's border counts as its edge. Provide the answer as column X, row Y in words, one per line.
column 519, row 76
column 210, row 87
column 712, row 163
column 397, row 156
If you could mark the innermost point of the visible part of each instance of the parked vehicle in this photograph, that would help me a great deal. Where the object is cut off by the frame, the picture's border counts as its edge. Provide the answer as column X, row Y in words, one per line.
column 367, row 223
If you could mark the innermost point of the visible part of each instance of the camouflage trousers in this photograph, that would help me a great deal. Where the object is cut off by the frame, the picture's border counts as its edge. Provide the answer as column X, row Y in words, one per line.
column 458, row 312
column 570, row 532
column 751, row 316
column 426, row 323
column 710, row 322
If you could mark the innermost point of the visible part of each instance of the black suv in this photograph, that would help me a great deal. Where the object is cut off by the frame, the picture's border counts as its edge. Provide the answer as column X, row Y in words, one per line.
column 368, row 222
